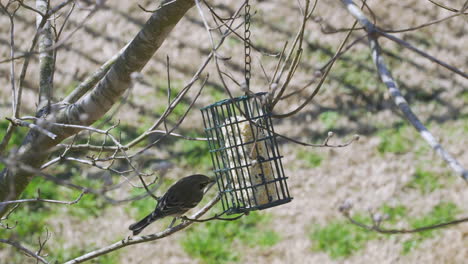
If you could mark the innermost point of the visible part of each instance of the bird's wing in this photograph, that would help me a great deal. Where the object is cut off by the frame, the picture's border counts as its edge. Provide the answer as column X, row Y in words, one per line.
column 171, row 205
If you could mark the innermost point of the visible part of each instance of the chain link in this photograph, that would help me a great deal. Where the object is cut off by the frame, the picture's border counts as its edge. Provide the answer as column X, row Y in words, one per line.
column 247, row 58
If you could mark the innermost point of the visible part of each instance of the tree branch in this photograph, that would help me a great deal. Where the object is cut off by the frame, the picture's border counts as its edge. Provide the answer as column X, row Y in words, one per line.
column 95, row 104
column 46, row 57
column 38, row 199
column 24, row 249
column 398, row 98
column 141, row 239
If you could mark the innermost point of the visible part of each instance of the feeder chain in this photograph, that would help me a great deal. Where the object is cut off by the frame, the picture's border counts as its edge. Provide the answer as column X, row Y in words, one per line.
column 247, row 58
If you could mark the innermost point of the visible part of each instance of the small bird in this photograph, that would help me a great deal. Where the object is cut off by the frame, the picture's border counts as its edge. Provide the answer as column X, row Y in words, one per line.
column 184, row 195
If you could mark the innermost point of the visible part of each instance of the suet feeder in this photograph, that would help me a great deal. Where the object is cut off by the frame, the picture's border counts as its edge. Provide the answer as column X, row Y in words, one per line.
column 245, row 154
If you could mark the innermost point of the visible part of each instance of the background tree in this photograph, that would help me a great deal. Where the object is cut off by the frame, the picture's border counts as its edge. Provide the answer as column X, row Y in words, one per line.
column 74, row 122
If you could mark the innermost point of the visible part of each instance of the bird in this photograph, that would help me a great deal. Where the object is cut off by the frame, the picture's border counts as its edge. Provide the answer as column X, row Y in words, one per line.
column 182, row 196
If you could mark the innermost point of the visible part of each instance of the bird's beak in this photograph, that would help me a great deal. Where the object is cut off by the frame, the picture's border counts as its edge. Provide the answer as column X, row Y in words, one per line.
column 210, row 183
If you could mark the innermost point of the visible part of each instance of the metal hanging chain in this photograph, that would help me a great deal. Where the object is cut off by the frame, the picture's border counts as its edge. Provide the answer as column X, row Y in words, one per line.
column 247, row 58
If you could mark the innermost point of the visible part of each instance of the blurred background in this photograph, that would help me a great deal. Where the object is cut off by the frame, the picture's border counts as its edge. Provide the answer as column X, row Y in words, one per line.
column 390, row 169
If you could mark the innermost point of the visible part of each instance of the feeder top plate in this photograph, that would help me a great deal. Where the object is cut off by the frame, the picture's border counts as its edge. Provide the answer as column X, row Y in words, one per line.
column 231, row 100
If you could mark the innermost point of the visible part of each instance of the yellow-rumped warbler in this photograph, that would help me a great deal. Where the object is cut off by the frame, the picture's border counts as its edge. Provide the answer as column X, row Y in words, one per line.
column 184, row 195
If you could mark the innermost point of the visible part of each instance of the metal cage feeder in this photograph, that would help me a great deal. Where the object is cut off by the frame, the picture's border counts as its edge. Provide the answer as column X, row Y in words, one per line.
column 245, row 154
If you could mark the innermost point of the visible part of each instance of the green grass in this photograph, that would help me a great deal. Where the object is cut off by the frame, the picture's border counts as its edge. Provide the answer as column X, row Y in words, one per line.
column 68, row 88
column 161, row 94
column 33, row 218
column 395, row 141
column 312, row 159
column 215, row 93
column 88, row 206
column 424, row 181
column 142, row 207
column 194, row 154
column 443, row 212
column 233, row 42
column 465, row 124
column 395, row 213
column 16, row 138
column 162, row 87
column 340, row 238
column 329, row 119
column 127, row 132
column 464, row 95
column 61, row 254
column 224, row 241
column 176, row 113
column 109, row 258
column 357, row 72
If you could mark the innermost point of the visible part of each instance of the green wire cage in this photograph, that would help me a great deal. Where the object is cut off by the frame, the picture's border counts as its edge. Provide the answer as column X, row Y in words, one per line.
column 245, row 154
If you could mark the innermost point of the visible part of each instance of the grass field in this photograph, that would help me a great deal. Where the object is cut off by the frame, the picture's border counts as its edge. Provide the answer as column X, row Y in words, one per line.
column 389, row 170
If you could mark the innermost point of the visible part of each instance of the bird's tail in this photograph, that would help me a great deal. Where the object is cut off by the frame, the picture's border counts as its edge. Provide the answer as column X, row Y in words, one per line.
column 140, row 225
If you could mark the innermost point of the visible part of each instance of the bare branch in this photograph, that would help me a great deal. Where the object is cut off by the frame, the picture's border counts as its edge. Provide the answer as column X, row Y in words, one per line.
column 377, row 220
column 141, row 239
column 42, row 243
column 46, row 57
column 354, row 10
column 7, row 215
column 66, row 183
column 443, row 6
column 18, row 122
column 421, row 26
column 17, row 98
column 424, row 54
column 159, row 7
column 11, row 128
column 41, row 12
column 295, row 61
column 379, row 229
column 38, row 199
column 58, row 44
column 322, row 79
column 24, row 250
column 114, row 148
column 183, row 92
column 398, row 98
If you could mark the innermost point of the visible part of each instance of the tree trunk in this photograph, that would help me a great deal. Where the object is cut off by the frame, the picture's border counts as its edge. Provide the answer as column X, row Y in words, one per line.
column 34, row 150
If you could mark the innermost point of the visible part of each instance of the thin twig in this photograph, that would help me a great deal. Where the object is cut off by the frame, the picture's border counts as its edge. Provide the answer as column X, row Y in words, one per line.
column 11, row 127
column 7, row 215
column 18, row 122
column 24, row 250
column 38, row 199
column 405, row 231
column 354, row 10
column 322, row 79
column 443, row 6
column 215, row 217
column 377, row 221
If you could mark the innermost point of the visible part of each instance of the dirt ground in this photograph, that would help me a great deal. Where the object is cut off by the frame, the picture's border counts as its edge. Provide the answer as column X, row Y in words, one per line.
column 358, row 173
